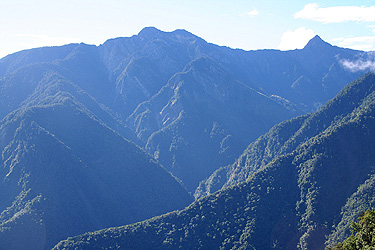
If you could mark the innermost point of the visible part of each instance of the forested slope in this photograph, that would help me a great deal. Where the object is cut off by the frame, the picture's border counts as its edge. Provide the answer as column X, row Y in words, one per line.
column 294, row 201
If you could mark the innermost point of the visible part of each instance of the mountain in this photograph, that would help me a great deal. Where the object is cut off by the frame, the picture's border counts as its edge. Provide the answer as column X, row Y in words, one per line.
column 280, row 140
column 64, row 172
column 31, row 84
column 207, row 118
column 191, row 147
column 320, row 176
column 130, row 84
column 84, row 128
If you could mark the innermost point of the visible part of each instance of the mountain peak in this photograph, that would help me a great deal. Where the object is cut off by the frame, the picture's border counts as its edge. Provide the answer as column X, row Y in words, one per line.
column 316, row 42
column 149, row 32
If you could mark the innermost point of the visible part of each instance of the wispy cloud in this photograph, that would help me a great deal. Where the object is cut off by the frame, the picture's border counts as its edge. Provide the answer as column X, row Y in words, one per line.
column 366, row 43
column 366, row 60
column 337, row 14
column 296, row 39
column 366, row 63
column 252, row 13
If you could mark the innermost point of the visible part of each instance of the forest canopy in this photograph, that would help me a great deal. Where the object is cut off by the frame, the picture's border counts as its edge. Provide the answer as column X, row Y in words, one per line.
column 363, row 234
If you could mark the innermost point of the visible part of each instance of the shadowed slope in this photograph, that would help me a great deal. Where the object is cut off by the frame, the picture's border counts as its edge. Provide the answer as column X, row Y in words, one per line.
column 292, row 202
column 64, row 172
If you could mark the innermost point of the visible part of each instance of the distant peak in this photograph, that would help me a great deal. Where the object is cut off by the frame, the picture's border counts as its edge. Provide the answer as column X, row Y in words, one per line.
column 149, row 32
column 317, row 39
column 315, row 42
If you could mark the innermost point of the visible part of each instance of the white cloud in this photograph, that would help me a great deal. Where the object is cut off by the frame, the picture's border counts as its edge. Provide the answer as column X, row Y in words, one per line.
column 296, row 39
column 252, row 13
column 366, row 43
column 359, row 65
column 337, row 14
column 365, row 63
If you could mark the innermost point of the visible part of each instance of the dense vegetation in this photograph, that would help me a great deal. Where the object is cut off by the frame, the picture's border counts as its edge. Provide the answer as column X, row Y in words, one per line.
column 294, row 201
column 286, row 137
column 364, row 234
column 64, row 173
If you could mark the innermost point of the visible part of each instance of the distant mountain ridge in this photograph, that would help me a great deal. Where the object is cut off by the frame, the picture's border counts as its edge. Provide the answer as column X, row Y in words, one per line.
column 123, row 75
column 294, row 201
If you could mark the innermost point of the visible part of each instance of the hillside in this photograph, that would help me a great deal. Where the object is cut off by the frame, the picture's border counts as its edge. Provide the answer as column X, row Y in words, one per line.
column 294, row 201
column 64, row 172
column 200, row 110
column 284, row 138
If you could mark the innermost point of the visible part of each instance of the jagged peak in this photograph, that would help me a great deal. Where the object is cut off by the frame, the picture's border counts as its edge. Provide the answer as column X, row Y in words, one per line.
column 315, row 42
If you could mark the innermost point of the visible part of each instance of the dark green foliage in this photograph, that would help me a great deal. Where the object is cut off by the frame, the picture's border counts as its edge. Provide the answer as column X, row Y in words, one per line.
column 361, row 200
column 363, row 236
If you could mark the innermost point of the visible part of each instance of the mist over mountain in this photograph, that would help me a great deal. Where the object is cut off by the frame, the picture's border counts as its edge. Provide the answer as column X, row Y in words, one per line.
column 302, row 195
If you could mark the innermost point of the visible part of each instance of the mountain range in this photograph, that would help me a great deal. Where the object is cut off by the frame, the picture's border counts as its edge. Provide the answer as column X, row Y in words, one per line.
column 320, row 178
column 102, row 136
column 152, row 89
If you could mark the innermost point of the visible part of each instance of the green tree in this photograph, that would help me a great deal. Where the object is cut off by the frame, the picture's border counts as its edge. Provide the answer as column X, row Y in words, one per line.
column 363, row 236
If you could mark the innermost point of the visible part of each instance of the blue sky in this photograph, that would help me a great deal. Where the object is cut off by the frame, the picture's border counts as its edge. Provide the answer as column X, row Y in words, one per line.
column 250, row 24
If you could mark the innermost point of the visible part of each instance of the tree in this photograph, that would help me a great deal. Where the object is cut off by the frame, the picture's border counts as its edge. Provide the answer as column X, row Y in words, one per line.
column 364, row 237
